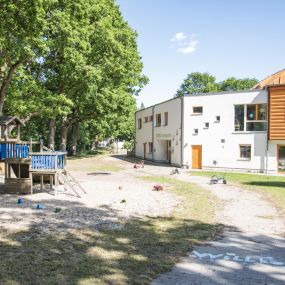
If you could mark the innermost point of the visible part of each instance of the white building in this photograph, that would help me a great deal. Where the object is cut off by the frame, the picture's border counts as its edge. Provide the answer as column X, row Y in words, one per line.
column 231, row 130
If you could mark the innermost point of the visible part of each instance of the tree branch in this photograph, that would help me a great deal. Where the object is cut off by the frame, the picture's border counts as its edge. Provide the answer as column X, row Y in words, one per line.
column 6, row 83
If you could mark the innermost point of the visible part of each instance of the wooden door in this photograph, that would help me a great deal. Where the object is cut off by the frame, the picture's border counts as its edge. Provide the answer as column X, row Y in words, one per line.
column 144, row 151
column 196, row 156
column 281, row 158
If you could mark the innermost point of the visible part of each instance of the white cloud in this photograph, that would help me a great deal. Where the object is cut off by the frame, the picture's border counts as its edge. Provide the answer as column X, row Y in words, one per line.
column 183, row 43
column 179, row 37
column 189, row 48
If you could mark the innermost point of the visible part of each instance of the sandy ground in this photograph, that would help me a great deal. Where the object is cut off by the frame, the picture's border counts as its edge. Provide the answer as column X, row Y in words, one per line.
column 112, row 198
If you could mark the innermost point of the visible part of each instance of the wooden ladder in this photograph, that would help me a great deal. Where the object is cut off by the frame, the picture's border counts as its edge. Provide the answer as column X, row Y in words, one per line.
column 70, row 183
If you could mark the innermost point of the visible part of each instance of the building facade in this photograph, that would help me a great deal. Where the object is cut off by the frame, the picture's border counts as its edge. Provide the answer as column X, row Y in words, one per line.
column 243, row 131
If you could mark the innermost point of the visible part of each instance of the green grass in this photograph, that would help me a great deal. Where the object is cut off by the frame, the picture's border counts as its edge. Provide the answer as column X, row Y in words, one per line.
column 272, row 186
column 135, row 254
column 94, row 163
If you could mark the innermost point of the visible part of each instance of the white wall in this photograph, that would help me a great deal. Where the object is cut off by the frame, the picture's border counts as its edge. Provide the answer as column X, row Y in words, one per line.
column 225, row 154
column 170, row 132
column 143, row 135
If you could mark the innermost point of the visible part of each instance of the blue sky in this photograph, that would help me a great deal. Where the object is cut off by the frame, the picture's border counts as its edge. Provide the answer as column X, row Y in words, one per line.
column 241, row 38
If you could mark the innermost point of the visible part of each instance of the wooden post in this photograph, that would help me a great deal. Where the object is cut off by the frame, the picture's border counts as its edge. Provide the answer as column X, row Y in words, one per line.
column 31, row 145
column 31, row 176
column 42, row 182
column 41, row 145
column 18, row 132
column 56, row 183
column 51, row 181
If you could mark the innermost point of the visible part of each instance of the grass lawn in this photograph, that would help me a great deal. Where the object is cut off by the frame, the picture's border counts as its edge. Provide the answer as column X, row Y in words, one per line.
column 135, row 254
column 272, row 186
column 97, row 162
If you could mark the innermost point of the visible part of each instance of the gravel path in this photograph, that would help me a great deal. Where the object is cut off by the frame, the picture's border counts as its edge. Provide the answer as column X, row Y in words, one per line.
column 250, row 251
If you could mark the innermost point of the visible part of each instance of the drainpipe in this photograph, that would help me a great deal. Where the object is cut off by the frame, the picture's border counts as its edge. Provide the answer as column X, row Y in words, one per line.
column 182, row 131
column 268, row 128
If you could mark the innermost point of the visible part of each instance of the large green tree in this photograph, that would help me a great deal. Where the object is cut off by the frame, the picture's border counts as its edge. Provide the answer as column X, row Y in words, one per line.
column 88, row 70
column 197, row 82
column 234, row 84
column 22, row 38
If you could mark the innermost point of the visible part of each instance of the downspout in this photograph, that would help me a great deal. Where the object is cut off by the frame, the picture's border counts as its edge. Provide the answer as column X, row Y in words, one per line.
column 268, row 128
column 152, row 134
column 182, row 131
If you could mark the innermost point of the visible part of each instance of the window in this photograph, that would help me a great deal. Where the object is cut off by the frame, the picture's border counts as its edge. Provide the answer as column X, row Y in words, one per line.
column 252, row 117
column 158, row 120
column 150, row 147
column 145, row 119
column 239, row 118
column 207, row 125
column 166, row 118
column 139, row 123
column 198, row 110
column 150, row 119
column 245, row 151
column 196, row 131
column 218, row 119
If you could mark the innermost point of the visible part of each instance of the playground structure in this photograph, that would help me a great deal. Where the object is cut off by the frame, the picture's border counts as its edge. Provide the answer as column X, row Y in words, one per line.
column 29, row 161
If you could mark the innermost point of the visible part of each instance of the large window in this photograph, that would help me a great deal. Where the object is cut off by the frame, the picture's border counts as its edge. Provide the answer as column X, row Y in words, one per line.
column 158, row 120
column 239, row 118
column 252, row 117
column 245, row 151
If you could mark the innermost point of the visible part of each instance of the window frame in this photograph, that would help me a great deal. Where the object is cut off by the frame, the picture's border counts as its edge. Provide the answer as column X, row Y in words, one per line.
column 246, row 121
column 240, row 152
column 195, row 112
column 165, row 118
column 139, row 123
column 158, row 115
column 150, row 147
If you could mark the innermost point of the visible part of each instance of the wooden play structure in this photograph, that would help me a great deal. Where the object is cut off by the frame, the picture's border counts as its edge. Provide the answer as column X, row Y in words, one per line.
column 27, row 162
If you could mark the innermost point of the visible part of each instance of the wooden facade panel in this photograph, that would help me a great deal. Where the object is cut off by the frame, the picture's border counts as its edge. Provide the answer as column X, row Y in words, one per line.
column 276, row 123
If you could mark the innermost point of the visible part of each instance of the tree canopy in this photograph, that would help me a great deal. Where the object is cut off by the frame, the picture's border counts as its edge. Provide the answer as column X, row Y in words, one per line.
column 73, row 65
column 197, row 82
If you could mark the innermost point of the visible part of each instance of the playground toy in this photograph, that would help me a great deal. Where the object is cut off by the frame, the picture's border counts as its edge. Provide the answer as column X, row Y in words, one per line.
column 218, row 178
column 28, row 161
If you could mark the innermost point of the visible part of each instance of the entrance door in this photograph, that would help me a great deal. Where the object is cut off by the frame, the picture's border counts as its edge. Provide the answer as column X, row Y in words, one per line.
column 144, row 151
column 196, row 156
column 168, row 151
column 281, row 158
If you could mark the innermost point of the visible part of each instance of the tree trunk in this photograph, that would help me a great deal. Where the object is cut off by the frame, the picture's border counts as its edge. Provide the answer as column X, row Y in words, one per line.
column 51, row 137
column 94, row 144
column 64, row 132
column 74, row 138
column 5, row 83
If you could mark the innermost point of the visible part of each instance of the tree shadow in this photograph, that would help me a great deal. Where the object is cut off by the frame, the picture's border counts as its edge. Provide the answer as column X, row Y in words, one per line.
column 280, row 184
column 98, row 173
column 106, row 250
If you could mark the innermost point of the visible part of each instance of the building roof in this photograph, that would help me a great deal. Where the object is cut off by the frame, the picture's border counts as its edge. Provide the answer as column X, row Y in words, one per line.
column 6, row 120
column 277, row 78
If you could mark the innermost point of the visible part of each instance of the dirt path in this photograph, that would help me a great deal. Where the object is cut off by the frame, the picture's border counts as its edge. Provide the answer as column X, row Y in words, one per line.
column 250, row 251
